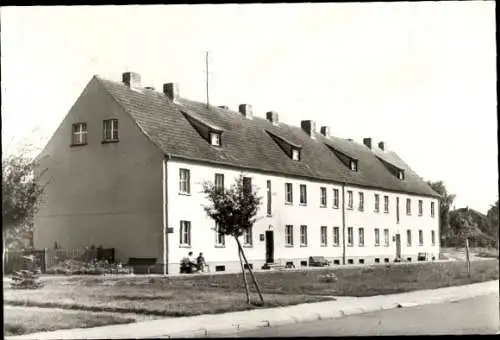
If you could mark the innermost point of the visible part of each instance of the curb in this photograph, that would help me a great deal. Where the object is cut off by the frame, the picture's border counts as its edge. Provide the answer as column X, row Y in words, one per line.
column 334, row 314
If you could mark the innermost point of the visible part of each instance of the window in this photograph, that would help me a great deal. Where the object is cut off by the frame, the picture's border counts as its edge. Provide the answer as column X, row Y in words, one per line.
column 295, row 154
column 386, row 204
column 420, row 207
column 386, row 237
column 361, row 204
column 247, row 185
column 303, row 236
column 408, row 206
column 353, row 165
column 349, row 200
column 350, row 236
column 79, row 134
column 324, row 236
column 220, row 239
column 322, row 191
column 361, row 235
column 408, row 238
column 401, row 174
column 336, row 198
column 377, row 237
column 288, row 193
column 269, row 198
column 397, row 209
column 185, row 233
column 289, row 235
column 421, row 237
column 215, row 138
column 303, row 194
column 433, row 237
column 110, row 130
column 432, row 209
column 248, row 237
column 219, row 183
column 377, row 202
column 336, row 236
column 184, row 181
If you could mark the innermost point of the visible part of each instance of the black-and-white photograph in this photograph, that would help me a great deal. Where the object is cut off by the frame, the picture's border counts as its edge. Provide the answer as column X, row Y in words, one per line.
column 249, row 170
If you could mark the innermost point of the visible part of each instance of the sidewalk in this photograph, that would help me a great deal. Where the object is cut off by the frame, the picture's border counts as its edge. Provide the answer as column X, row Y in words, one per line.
column 234, row 321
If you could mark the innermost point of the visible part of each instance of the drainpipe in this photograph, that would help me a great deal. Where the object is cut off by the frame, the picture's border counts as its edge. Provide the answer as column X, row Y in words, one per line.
column 165, row 219
column 343, row 223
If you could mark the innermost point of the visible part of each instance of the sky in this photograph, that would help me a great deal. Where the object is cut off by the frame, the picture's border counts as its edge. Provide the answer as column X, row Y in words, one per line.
column 420, row 76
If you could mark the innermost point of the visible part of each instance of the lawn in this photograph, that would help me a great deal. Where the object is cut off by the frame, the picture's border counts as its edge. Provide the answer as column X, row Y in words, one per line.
column 210, row 294
column 25, row 320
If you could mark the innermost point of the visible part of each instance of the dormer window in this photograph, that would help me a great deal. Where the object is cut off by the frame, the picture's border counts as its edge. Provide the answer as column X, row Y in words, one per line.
column 215, row 138
column 401, row 174
column 295, row 154
column 353, row 165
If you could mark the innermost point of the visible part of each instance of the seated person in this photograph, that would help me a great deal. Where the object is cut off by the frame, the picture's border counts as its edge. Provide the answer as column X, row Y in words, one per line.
column 201, row 262
column 192, row 262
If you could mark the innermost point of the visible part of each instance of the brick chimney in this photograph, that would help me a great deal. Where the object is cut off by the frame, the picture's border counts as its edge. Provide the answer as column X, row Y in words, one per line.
column 325, row 131
column 367, row 142
column 172, row 91
column 246, row 110
column 309, row 127
column 131, row 79
column 272, row 116
column 382, row 146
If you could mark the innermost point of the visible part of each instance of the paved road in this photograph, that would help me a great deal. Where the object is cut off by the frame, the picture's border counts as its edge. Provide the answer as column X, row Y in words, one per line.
column 478, row 315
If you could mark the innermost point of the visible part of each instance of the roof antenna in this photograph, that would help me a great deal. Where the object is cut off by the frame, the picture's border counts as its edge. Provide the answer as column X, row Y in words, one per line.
column 206, row 71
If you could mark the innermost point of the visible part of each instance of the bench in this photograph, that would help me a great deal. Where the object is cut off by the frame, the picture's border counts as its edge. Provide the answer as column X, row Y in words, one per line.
column 141, row 262
column 422, row 257
column 318, row 261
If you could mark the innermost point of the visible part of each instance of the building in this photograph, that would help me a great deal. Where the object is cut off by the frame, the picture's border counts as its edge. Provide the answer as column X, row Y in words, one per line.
column 126, row 167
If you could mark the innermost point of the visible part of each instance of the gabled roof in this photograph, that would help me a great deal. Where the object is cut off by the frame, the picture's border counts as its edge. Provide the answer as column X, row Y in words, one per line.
column 248, row 146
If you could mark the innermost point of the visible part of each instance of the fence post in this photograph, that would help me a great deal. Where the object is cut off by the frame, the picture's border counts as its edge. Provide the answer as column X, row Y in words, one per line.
column 467, row 258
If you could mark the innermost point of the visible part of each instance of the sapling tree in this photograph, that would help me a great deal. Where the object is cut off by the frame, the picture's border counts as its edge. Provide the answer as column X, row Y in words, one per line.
column 234, row 210
column 21, row 191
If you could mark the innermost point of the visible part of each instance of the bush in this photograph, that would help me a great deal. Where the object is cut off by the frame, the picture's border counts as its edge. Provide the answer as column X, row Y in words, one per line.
column 329, row 278
column 94, row 267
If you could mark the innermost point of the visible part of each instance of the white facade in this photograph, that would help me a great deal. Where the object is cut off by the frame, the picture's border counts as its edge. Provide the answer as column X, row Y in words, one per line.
column 189, row 207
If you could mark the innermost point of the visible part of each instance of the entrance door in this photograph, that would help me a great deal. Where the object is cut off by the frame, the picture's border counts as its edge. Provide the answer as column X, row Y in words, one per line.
column 398, row 246
column 269, row 246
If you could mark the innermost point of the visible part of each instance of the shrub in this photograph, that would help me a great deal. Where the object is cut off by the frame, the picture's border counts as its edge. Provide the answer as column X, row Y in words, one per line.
column 329, row 278
column 94, row 267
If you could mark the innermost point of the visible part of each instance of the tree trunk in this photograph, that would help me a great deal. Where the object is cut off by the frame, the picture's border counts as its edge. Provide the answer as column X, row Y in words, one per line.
column 3, row 253
column 250, row 270
column 244, row 277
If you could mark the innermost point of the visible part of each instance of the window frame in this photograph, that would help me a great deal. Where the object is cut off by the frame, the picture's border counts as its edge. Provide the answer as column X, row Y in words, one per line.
column 361, row 201
column 387, row 237
column 377, row 237
column 408, row 238
column 269, row 194
column 350, row 200
column 420, row 207
column 219, row 237
column 289, row 194
column 295, row 152
column 323, row 199
column 219, row 182
column 303, row 236
column 336, row 236
column 361, row 237
column 386, row 204
column 248, row 236
column 323, row 232
column 350, row 236
column 82, row 134
column 336, row 198
column 186, row 181
column 303, row 194
column 433, row 237
column 353, row 165
column 408, row 206
column 289, row 235
column 376, row 203
column 420, row 237
column 113, row 129
column 218, row 138
column 433, row 209
column 185, row 230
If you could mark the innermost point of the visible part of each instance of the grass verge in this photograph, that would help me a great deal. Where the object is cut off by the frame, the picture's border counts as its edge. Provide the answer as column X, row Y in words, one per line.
column 20, row 320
